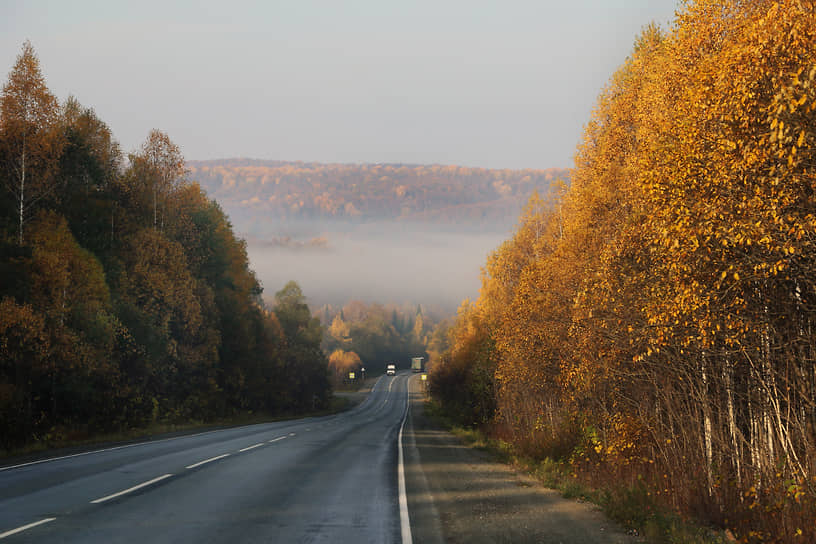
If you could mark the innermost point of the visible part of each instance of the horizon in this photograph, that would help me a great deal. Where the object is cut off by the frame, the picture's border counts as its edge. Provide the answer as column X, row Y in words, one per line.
column 507, row 86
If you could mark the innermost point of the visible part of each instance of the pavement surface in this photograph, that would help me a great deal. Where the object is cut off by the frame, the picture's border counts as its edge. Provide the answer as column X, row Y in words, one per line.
column 324, row 479
column 459, row 495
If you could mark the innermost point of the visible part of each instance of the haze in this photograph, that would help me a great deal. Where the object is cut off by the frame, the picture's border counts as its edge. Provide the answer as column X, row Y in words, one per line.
column 505, row 84
column 494, row 84
column 382, row 262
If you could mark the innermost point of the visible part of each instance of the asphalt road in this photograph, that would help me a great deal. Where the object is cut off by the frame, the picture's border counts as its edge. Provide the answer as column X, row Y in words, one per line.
column 328, row 479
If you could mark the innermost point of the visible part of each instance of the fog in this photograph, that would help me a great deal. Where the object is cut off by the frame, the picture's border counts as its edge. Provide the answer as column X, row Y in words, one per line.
column 382, row 262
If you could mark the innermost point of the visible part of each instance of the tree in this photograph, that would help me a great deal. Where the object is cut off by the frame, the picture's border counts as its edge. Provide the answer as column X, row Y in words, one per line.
column 89, row 167
column 306, row 364
column 31, row 139
column 158, row 172
column 342, row 362
column 24, row 354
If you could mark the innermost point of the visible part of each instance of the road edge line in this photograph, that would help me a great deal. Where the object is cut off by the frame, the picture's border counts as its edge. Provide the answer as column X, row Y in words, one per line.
column 405, row 521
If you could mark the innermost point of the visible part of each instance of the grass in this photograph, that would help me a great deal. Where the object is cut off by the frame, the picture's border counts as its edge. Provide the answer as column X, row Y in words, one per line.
column 630, row 506
column 69, row 440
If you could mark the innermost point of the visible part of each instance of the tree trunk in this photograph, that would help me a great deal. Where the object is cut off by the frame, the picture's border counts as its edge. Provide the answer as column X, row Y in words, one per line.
column 22, row 193
column 707, row 430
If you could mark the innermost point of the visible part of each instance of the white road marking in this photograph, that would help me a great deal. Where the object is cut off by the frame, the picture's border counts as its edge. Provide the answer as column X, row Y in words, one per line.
column 276, row 439
column 405, row 521
column 104, row 450
column 251, row 447
column 131, row 489
column 291, row 434
column 25, row 527
column 205, row 461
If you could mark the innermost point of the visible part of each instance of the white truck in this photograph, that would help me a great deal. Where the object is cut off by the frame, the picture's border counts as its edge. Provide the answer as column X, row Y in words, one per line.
column 390, row 369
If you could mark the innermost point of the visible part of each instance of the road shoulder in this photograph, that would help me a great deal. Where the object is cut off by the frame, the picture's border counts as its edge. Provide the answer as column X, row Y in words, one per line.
column 459, row 495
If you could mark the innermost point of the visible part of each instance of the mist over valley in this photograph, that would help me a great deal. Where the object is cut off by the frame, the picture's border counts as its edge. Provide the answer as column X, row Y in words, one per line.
column 376, row 233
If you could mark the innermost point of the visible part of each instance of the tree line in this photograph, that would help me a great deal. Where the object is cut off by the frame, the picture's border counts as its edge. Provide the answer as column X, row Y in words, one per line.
column 125, row 296
column 370, row 336
column 655, row 326
column 366, row 192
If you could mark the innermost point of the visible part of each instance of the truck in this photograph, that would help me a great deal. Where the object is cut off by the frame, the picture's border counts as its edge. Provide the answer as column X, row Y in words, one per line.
column 416, row 364
column 390, row 369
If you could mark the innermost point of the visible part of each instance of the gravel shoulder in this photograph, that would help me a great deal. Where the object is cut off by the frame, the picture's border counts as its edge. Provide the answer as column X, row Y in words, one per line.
column 459, row 495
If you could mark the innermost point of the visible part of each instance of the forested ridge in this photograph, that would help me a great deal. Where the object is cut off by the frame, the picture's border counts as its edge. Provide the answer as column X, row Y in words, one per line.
column 125, row 296
column 653, row 330
column 281, row 191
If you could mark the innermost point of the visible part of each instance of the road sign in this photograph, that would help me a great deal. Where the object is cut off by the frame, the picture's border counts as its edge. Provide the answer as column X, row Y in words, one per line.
column 351, row 375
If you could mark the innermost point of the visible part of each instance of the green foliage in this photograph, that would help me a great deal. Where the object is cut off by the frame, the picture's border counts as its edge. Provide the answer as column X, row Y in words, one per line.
column 129, row 301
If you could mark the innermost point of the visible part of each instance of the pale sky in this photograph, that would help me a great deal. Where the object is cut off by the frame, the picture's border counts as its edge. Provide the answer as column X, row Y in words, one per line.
column 498, row 84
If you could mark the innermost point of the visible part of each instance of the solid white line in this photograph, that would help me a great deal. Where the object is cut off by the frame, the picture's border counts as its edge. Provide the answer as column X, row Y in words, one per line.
column 205, row 461
column 130, row 489
column 251, row 447
column 276, row 439
column 405, row 521
column 24, row 527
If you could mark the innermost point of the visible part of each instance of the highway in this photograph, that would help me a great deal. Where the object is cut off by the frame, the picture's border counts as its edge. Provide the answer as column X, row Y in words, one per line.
column 324, row 479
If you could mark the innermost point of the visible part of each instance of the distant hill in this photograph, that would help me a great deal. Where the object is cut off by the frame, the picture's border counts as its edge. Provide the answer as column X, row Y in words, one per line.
column 259, row 195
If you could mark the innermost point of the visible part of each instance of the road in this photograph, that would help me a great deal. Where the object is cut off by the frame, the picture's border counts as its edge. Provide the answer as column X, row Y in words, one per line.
column 326, row 479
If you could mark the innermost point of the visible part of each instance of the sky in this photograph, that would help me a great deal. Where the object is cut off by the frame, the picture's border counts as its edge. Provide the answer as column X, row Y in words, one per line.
column 494, row 84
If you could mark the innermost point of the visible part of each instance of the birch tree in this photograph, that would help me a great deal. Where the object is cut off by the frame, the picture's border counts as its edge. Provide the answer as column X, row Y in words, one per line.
column 30, row 136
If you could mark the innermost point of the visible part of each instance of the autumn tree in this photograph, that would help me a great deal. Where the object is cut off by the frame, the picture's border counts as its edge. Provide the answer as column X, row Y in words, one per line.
column 342, row 362
column 24, row 358
column 156, row 172
column 656, row 325
column 31, row 139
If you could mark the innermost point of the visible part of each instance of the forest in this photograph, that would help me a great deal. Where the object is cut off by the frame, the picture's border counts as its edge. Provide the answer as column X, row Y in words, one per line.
column 287, row 192
column 653, row 329
column 126, row 298
column 360, row 335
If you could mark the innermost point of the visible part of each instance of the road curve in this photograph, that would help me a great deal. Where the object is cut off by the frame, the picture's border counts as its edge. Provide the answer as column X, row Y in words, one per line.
column 326, row 479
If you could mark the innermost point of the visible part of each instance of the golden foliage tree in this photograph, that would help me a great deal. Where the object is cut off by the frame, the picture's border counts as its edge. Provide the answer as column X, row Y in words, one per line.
column 659, row 320
column 30, row 136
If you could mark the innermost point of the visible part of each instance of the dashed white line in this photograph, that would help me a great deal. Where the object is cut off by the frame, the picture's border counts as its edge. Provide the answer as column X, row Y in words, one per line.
column 25, row 527
column 291, row 434
column 205, row 461
column 131, row 489
column 105, row 450
column 251, row 447
column 276, row 439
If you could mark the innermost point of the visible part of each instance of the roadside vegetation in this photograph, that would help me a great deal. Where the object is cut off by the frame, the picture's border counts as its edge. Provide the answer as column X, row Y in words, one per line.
column 633, row 508
column 126, row 300
column 650, row 333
